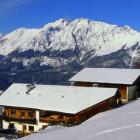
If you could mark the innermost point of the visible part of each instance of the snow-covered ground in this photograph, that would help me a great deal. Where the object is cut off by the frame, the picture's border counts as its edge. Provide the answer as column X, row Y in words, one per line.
column 119, row 124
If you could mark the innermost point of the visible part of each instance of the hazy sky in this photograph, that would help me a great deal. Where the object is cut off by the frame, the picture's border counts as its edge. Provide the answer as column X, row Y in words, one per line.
column 37, row 13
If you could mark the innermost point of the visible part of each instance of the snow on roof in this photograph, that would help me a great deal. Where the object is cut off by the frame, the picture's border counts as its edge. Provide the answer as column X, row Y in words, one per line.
column 107, row 75
column 66, row 99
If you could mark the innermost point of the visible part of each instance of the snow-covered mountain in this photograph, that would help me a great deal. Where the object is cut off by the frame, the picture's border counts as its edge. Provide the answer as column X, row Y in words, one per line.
column 66, row 44
column 80, row 39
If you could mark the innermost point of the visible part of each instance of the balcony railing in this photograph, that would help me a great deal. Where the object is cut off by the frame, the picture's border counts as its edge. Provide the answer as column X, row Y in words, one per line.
column 50, row 120
column 21, row 120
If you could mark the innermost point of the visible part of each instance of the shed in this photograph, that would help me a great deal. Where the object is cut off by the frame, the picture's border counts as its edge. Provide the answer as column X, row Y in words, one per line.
column 126, row 80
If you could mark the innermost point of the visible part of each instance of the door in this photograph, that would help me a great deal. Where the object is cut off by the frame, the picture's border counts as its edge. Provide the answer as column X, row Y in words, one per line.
column 24, row 128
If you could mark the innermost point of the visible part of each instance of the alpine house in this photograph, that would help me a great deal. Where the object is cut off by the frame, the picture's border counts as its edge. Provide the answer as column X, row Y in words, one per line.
column 33, row 107
column 126, row 80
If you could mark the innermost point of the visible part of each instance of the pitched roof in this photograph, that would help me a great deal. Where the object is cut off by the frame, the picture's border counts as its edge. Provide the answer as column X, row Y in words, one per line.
column 107, row 75
column 66, row 99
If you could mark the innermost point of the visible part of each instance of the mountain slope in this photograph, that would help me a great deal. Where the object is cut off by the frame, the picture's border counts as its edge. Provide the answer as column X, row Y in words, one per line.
column 65, row 46
column 78, row 39
column 16, row 40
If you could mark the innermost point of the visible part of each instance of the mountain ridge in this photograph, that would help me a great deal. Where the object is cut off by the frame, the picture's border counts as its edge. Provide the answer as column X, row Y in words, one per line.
column 63, row 47
column 79, row 26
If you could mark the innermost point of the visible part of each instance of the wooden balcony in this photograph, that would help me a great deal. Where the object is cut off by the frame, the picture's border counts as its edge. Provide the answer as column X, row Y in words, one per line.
column 50, row 120
column 20, row 120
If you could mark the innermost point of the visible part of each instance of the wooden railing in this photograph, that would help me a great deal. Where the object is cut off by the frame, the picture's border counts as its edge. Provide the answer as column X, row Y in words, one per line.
column 50, row 120
column 21, row 120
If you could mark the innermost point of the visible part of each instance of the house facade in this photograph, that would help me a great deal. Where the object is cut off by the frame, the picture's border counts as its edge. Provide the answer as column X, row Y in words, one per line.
column 33, row 107
column 126, row 80
column 24, row 120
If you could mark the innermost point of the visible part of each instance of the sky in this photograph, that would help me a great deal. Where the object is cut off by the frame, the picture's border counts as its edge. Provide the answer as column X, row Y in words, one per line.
column 37, row 13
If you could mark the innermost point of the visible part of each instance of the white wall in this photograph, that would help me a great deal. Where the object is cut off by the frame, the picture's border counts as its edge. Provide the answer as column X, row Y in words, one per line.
column 19, row 126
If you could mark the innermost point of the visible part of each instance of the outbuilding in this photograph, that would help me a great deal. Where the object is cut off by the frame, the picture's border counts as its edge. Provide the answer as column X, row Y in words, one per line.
column 126, row 80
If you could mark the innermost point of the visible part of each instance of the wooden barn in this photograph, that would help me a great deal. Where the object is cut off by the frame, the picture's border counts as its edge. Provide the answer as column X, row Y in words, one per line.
column 126, row 80
column 33, row 107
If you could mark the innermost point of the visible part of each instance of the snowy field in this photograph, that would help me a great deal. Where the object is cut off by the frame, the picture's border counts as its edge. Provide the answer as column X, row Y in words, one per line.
column 119, row 124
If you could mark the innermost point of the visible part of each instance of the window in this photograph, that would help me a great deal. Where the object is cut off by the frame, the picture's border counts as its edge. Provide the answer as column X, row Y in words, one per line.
column 1, row 110
column 22, row 114
column 31, row 114
column 95, row 85
column 13, row 112
column 11, row 126
column 61, row 116
column 31, row 128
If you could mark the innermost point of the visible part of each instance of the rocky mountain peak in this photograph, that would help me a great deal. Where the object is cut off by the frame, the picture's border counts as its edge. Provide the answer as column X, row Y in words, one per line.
column 55, row 52
column 64, row 40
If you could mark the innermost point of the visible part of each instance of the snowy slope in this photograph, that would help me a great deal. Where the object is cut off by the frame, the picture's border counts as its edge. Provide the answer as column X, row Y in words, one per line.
column 119, row 124
column 18, row 39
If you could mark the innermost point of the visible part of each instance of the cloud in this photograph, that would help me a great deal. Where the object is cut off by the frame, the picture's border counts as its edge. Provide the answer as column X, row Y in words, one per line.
column 8, row 6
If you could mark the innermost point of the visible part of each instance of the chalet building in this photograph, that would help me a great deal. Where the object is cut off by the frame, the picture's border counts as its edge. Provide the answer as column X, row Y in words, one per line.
column 33, row 107
column 126, row 80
